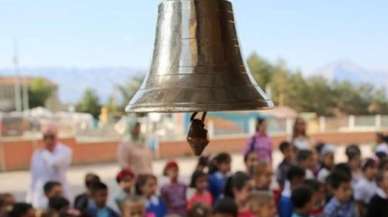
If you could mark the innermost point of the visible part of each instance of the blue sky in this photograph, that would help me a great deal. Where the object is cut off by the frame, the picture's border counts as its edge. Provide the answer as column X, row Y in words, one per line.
column 88, row 33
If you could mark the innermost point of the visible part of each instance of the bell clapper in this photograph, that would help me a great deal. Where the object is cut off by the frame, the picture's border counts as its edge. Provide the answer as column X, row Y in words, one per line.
column 197, row 136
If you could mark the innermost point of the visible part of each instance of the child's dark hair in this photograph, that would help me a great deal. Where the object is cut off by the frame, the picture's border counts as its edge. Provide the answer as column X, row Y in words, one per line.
column 336, row 178
column 141, row 181
column 283, row 146
column 301, row 196
column 219, row 159
column 203, row 161
column 343, row 167
column 303, row 155
column 295, row 172
column 196, row 175
column 260, row 121
column 226, row 206
column 20, row 209
column 90, row 179
column 313, row 184
column 48, row 186
column 381, row 155
column 319, row 147
column 369, row 163
column 98, row 186
column 246, row 155
column 237, row 181
column 58, row 203
column 352, row 151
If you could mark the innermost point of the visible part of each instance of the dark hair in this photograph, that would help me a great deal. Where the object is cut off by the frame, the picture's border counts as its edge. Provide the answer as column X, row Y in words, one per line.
column 301, row 196
column 98, row 186
column 344, row 168
column 303, row 155
column 313, row 184
column 90, row 179
column 259, row 122
column 284, row 145
column 381, row 155
column 336, row 178
column 227, row 206
column 48, row 186
column 203, row 161
column 295, row 172
column 219, row 159
column 246, row 155
column 58, row 203
column 196, row 175
column 319, row 147
column 237, row 181
column 369, row 163
column 20, row 209
column 141, row 181
column 352, row 151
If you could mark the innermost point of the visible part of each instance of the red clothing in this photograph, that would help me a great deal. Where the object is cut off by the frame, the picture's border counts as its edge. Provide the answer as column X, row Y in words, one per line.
column 245, row 214
column 204, row 198
column 317, row 212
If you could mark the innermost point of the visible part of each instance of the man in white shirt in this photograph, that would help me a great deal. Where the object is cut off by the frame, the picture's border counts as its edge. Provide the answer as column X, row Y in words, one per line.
column 49, row 163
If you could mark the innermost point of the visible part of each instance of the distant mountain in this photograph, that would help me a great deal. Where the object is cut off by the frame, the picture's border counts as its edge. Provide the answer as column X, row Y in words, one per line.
column 73, row 81
column 348, row 71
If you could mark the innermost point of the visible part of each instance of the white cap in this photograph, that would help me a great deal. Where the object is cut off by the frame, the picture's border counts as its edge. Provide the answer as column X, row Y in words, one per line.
column 327, row 149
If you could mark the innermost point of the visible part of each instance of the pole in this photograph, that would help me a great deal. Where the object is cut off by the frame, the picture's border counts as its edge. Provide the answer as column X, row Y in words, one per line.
column 24, row 81
column 18, row 91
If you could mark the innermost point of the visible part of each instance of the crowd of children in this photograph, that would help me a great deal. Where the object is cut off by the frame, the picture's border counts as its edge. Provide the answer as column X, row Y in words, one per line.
column 307, row 182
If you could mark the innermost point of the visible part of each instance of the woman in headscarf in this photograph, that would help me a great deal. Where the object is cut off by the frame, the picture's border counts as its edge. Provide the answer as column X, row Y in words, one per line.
column 132, row 151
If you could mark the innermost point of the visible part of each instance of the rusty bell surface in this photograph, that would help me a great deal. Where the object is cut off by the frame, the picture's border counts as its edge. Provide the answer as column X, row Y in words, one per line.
column 197, row 64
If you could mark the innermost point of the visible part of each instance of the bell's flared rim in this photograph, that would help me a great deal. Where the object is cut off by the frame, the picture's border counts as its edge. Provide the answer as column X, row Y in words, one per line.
column 263, row 104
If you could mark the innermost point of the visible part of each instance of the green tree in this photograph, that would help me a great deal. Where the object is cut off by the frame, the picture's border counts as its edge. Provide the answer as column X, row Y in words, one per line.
column 128, row 89
column 318, row 96
column 39, row 91
column 348, row 99
column 315, row 93
column 260, row 69
column 89, row 103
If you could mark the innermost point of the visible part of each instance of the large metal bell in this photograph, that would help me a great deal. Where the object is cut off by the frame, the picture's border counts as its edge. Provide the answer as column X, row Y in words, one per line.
column 197, row 63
